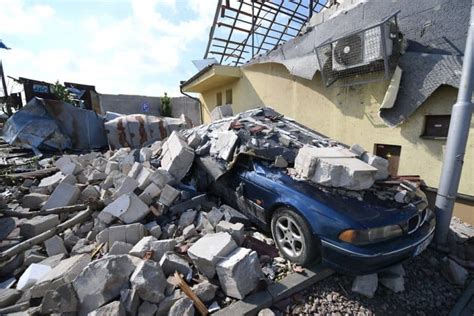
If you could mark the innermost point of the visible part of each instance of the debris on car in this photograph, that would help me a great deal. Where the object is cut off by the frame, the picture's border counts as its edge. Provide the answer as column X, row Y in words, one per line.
column 132, row 218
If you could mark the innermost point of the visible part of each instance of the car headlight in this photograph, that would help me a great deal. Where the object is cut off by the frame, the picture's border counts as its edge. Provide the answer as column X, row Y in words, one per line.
column 370, row 236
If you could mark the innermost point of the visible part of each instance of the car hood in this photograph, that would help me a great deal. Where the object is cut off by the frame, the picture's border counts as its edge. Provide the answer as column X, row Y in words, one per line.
column 362, row 207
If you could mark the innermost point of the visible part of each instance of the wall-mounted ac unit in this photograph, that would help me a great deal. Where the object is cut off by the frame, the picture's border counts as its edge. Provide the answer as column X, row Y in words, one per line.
column 367, row 55
column 362, row 48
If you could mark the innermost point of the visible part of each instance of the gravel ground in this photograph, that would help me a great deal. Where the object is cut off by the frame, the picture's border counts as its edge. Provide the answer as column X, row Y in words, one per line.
column 427, row 292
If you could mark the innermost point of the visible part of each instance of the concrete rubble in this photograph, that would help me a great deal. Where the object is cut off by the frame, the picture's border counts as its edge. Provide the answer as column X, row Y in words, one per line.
column 135, row 217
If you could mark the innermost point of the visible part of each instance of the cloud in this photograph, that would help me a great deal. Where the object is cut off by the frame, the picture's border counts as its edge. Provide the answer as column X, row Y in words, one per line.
column 16, row 17
column 145, row 52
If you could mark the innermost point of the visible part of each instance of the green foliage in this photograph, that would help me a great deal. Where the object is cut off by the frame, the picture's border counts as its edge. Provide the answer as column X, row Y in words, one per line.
column 62, row 93
column 165, row 105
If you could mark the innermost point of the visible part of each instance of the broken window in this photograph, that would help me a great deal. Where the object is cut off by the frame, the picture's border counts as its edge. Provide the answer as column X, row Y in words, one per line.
column 436, row 126
column 219, row 98
column 228, row 96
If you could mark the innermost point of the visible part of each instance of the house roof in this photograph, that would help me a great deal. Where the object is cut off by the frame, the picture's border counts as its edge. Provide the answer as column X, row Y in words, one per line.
column 211, row 77
column 435, row 31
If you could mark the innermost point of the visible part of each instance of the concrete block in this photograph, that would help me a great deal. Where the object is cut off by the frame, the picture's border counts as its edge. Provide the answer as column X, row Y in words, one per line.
column 177, row 157
column 194, row 140
column 135, row 170
column 221, row 112
column 379, row 163
column 9, row 297
column 37, row 225
column 120, row 248
column 31, row 275
column 153, row 229
column 307, row 158
column 128, row 185
column 223, row 147
column 187, row 218
column 93, row 175
column 239, row 273
column 61, row 300
column 64, row 195
column 182, row 307
column 111, row 166
column 103, row 280
column 168, row 195
column 149, row 281
column 165, row 305
column 53, row 261
column 71, row 168
column 189, row 231
column 130, row 301
column 349, row 173
column 145, row 154
column 208, row 250
column 151, row 191
column 89, row 194
column 100, row 164
column 235, row 230
column 34, row 201
column 52, row 181
column 128, row 208
column 161, row 177
column 358, row 150
column 144, row 178
column 62, row 273
column 147, row 309
column 55, row 246
column 150, row 243
column 365, row 284
column 171, row 262
column 114, row 308
column 205, row 290
column 131, row 234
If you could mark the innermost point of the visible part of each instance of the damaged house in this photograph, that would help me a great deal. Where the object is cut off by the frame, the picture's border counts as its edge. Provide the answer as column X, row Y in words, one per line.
column 395, row 100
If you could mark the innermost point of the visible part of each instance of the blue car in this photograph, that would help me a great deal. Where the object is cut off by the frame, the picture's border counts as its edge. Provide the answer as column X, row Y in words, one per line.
column 311, row 223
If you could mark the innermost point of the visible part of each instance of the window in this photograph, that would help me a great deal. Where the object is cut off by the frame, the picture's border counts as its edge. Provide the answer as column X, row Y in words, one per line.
column 219, row 98
column 228, row 96
column 436, row 126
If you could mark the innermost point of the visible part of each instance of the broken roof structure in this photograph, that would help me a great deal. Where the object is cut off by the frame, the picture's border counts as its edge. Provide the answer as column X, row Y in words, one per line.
column 243, row 29
column 433, row 54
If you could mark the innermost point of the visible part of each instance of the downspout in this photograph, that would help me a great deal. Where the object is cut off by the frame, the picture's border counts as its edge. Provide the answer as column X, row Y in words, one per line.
column 195, row 99
column 456, row 142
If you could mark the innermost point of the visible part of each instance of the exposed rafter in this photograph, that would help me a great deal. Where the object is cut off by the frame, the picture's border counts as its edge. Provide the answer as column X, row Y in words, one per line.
column 245, row 28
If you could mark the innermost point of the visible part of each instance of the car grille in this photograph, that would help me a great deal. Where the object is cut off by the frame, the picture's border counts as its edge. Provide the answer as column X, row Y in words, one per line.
column 415, row 222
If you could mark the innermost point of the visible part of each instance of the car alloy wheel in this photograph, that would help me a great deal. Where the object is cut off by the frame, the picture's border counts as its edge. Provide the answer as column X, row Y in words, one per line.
column 294, row 238
column 289, row 236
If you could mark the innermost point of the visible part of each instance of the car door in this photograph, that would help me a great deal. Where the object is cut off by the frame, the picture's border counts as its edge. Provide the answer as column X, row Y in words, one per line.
column 253, row 193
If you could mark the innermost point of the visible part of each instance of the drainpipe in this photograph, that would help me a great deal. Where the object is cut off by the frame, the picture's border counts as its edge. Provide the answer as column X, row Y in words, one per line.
column 456, row 142
column 195, row 99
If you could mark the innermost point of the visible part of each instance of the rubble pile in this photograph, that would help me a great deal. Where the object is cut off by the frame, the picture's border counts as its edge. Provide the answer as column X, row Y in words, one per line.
column 105, row 233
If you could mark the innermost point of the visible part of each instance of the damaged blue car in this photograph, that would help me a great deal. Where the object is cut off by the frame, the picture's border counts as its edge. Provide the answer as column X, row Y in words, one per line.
column 320, row 199
column 310, row 223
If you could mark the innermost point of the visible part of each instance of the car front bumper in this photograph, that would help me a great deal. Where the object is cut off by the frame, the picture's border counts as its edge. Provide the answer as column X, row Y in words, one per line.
column 368, row 259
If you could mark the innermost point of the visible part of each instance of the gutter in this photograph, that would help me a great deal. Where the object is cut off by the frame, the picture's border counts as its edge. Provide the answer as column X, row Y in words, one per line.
column 195, row 99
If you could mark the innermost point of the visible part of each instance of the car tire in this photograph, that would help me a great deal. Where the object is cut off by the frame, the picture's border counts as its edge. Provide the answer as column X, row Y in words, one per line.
column 294, row 238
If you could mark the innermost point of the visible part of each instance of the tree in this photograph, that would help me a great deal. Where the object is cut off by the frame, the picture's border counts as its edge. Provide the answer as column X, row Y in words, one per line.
column 62, row 93
column 165, row 105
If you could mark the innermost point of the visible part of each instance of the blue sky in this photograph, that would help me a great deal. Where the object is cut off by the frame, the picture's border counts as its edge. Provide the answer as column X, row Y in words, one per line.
column 124, row 46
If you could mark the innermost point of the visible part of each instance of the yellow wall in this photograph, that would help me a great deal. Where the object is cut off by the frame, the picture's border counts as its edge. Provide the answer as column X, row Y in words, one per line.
column 350, row 115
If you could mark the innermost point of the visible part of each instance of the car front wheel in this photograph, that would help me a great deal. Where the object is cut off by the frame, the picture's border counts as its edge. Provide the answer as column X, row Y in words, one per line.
column 294, row 238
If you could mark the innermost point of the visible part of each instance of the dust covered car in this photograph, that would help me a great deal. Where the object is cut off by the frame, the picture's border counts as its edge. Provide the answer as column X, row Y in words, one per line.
column 320, row 199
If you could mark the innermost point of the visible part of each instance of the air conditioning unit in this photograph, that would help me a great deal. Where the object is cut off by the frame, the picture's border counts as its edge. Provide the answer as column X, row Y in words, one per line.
column 362, row 48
